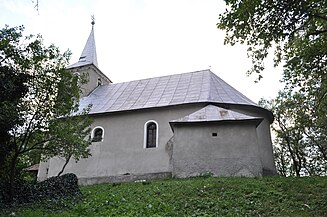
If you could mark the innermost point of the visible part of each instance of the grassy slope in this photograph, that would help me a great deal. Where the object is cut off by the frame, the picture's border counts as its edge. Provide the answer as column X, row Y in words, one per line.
column 274, row 196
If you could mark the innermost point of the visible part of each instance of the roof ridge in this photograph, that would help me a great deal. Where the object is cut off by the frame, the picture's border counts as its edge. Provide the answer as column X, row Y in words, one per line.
column 157, row 77
column 209, row 82
column 176, row 87
column 234, row 90
column 188, row 86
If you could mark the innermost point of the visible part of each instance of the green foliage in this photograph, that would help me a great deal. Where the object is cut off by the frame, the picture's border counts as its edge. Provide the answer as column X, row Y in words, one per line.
column 296, row 29
column 298, row 32
column 51, row 190
column 46, row 98
column 12, row 89
column 71, row 139
column 298, row 148
column 273, row 196
column 58, row 187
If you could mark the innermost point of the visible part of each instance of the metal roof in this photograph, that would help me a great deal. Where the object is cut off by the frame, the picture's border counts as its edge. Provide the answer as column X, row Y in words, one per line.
column 89, row 54
column 214, row 113
column 193, row 87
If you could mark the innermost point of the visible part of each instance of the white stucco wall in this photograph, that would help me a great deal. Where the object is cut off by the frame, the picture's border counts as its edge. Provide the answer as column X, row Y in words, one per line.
column 122, row 150
column 92, row 74
column 264, row 138
column 233, row 152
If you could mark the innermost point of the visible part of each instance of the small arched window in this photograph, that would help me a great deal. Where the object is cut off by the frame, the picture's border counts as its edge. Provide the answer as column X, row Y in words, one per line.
column 151, row 134
column 99, row 82
column 97, row 134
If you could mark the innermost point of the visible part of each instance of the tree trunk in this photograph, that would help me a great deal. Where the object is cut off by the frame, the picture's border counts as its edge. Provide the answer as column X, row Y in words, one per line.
column 295, row 164
column 63, row 168
column 12, row 177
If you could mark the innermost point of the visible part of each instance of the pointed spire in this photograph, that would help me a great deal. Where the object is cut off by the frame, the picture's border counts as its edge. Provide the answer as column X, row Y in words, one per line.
column 93, row 21
column 89, row 54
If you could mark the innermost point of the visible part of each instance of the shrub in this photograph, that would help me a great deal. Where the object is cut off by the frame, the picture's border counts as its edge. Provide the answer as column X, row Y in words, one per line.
column 58, row 187
column 54, row 188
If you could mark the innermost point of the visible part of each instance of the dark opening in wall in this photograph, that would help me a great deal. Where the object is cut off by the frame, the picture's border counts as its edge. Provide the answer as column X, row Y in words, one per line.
column 214, row 134
column 99, row 82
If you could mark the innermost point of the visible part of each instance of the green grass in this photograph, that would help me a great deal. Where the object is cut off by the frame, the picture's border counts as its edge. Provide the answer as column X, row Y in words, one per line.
column 273, row 196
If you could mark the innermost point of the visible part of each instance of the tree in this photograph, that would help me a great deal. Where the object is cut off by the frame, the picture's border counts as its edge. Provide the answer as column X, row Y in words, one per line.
column 12, row 88
column 295, row 152
column 67, row 143
column 289, row 148
column 45, row 115
column 297, row 31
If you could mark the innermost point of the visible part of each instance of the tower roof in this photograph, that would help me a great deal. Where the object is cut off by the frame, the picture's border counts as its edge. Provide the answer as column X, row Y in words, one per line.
column 89, row 54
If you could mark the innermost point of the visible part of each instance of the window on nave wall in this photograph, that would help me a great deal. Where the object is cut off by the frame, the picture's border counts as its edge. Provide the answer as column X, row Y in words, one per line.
column 151, row 134
column 97, row 134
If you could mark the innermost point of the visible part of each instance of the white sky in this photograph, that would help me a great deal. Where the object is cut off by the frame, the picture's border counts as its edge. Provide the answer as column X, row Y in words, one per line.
column 139, row 39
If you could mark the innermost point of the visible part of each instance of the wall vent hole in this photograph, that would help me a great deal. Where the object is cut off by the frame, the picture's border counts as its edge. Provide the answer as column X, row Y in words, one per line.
column 214, row 134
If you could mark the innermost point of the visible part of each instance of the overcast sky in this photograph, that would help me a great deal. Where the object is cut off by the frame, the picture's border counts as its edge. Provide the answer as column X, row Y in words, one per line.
column 139, row 39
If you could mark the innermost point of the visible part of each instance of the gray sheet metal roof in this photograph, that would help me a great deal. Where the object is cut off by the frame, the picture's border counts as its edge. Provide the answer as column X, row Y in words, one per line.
column 193, row 87
column 89, row 54
column 214, row 113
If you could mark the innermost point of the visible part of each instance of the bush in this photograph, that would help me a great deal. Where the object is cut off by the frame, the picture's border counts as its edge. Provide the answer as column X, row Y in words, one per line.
column 54, row 188
column 22, row 193
column 58, row 187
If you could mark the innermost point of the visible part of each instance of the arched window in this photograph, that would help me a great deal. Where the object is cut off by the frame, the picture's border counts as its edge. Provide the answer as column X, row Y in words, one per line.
column 151, row 134
column 97, row 134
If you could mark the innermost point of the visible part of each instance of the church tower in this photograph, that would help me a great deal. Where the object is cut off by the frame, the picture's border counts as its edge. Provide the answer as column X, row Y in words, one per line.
column 87, row 66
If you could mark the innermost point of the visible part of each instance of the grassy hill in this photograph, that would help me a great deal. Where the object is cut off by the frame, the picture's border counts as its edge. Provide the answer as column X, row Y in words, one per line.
column 273, row 196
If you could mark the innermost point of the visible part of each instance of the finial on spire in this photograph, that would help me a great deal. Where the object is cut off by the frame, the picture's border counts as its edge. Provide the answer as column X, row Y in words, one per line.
column 93, row 20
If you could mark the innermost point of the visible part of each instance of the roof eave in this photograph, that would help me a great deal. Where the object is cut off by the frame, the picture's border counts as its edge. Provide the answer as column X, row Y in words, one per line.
column 256, row 121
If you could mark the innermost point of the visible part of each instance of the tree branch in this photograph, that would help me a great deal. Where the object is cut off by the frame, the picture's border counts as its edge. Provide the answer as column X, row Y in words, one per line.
column 66, row 162
column 27, row 132
column 318, row 32
column 34, row 146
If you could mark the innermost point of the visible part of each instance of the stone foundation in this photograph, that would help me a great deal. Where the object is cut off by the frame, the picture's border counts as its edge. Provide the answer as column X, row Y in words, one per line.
column 123, row 178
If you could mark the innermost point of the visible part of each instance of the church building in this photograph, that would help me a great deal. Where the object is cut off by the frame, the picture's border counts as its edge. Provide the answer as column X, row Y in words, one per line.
column 178, row 125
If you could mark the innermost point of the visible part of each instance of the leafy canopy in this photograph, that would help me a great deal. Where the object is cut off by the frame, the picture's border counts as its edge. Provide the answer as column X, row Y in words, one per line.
column 300, row 146
column 295, row 29
column 41, row 98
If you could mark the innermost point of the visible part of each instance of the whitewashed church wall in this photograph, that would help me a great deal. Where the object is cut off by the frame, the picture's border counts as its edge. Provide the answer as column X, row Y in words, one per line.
column 223, row 149
column 42, row 173
column 92, row 74
column 122, row 154
column 264, row 138
column 122, row 150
